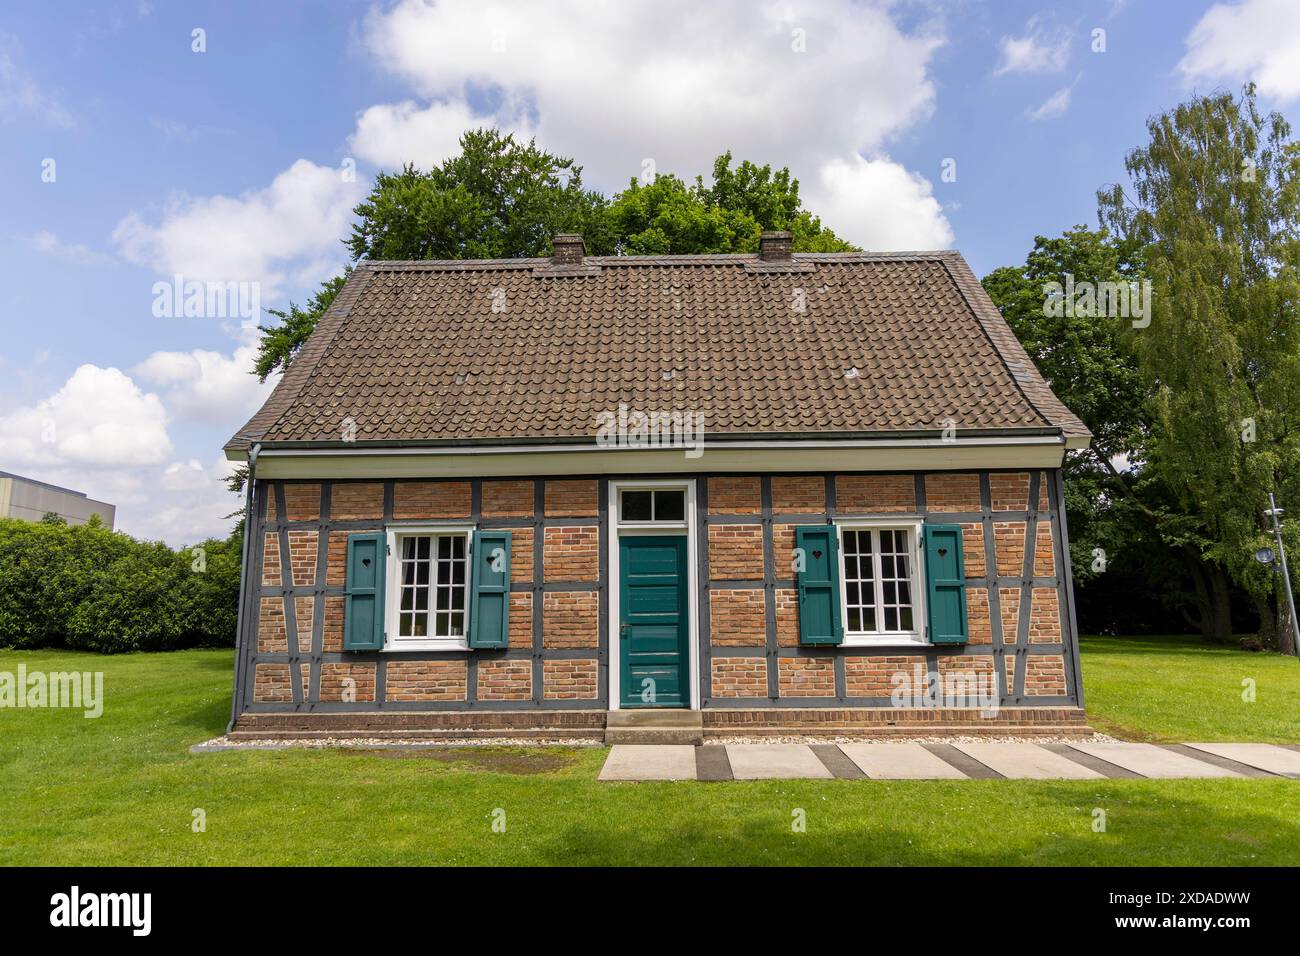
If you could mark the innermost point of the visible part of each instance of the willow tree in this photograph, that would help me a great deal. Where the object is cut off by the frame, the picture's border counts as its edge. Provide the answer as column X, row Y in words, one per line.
column 1214, row 200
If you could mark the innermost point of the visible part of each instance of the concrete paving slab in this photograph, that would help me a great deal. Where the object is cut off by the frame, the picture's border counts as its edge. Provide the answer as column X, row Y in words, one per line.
column 1027, row 761
column 1152, row 761
column 775, row 762
column 900, row 762
column 649, row 762
column 1274, row 759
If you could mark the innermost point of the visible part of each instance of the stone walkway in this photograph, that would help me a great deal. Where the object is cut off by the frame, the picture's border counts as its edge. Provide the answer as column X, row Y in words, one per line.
column 962, row 761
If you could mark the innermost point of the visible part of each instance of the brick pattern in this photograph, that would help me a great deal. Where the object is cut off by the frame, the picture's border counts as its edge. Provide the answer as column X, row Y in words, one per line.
column 1044, row 675
column 1009, row 673
column 270, row 503
column 1009, row 491
column 302, row 502
column 507, row 499
column 431, row 499
column 883, row 493
column 979, row 625
column 739, row 677
column 806, row 677
column 332, row 625
column 787, row 617
column 302, row 557
column 735, row 496
column 571, row 554
column 355, row 500
column 521, row 555
column 736, row 552
column 783, row 551
column 271, row 638
column 571, row 499
column 1009, row 599
column 945, row 492
column 505, row 680
column 425, row 680
column 1044, row 495
column 347, row 681
column 521, row 619
column 798, row 494
column 1009, row 547
column 737, row 618
column 304, row 611
column 1044, row 617
column 271, row 560
column 874, row 676
column 569, row 680
column 570, row 619
column 1044, row 550
column 271, row 683
column 972, row 549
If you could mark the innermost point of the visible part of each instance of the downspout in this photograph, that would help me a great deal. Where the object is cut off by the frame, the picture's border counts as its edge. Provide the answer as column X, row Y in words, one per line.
column 245, row 560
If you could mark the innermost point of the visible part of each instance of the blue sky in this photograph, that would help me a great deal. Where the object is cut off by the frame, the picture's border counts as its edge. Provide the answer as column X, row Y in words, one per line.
column 231, row 163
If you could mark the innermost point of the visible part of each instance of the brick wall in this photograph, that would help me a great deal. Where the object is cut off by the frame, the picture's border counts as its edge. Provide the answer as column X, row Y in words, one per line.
column 556, row 654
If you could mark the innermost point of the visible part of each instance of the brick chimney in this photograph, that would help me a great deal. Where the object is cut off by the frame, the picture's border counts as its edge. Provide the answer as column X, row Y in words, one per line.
column 567, row 249
column 775, row 246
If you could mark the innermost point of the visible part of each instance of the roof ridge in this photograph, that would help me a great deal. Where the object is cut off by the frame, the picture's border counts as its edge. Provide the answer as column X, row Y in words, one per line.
column 720, row 258
column 1028, row 380
column 303, row 366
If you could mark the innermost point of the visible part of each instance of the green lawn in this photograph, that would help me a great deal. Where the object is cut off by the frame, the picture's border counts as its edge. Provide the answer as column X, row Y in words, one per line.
column 122, row 789
column 1179, row 688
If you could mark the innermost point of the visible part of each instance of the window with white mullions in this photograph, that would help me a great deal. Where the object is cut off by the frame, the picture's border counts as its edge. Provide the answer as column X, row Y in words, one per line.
column 432, row 579
column 878, row 581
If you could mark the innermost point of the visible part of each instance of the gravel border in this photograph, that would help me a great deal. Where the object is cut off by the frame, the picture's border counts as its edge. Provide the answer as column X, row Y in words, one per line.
column 223, row 743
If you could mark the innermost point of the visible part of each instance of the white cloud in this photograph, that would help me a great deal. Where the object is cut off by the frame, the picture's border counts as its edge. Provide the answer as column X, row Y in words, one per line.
column 99, row 418
column 207, row 387
column 879, row 205
column 392, row 135
column 259, row 236
column 1256, row 40
column 1041, row 49
column 1054, row 106
column 20, row 95
column 74, row 252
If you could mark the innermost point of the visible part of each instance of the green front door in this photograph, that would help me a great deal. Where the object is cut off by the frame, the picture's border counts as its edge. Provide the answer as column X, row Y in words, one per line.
column 654, row 661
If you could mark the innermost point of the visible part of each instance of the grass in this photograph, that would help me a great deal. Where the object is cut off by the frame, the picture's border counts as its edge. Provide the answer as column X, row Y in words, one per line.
column 122, row 789
column 1179, row 688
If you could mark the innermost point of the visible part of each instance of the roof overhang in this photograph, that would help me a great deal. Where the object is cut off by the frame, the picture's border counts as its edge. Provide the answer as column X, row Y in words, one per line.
column 588, row 458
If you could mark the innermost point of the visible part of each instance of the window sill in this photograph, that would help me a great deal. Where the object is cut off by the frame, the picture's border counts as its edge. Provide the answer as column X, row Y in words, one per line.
column 884, row 640
column 426, row 646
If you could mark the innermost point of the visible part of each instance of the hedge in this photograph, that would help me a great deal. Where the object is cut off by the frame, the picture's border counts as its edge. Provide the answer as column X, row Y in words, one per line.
column 89, row 588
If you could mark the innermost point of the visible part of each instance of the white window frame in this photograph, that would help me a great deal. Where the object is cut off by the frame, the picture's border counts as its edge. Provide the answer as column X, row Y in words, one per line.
column 393, row 587
column 686, row 526
column 914, row 526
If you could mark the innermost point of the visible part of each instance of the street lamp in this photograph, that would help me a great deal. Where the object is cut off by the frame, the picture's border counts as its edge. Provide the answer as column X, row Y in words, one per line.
column 1265, row 556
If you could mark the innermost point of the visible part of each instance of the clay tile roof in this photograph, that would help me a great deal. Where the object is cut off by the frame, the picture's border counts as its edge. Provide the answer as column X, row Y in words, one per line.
column 824, row 345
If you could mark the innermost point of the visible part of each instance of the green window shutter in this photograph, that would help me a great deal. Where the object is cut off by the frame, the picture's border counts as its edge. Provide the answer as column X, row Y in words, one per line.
column 489, row 596
column 945, row 584
column 363, row 615
column 819, row 585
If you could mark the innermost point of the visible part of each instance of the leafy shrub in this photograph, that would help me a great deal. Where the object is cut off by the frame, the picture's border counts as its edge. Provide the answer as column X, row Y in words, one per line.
column 90, row 588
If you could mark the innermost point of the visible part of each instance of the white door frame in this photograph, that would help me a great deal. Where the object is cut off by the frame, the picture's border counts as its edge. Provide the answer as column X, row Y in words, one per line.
column 617, row 528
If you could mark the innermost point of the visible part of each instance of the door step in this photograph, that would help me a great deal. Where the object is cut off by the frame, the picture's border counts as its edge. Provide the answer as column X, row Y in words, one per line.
column 657, row 726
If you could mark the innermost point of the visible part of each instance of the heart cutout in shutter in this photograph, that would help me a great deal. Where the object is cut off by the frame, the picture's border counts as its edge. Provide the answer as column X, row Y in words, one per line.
column 365, row 562
column 942, row 552
column 817, row 554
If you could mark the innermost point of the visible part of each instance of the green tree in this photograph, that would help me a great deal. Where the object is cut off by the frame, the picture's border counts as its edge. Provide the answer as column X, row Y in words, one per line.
column 280, row 343
column 667, row 216
column 1214, row 203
